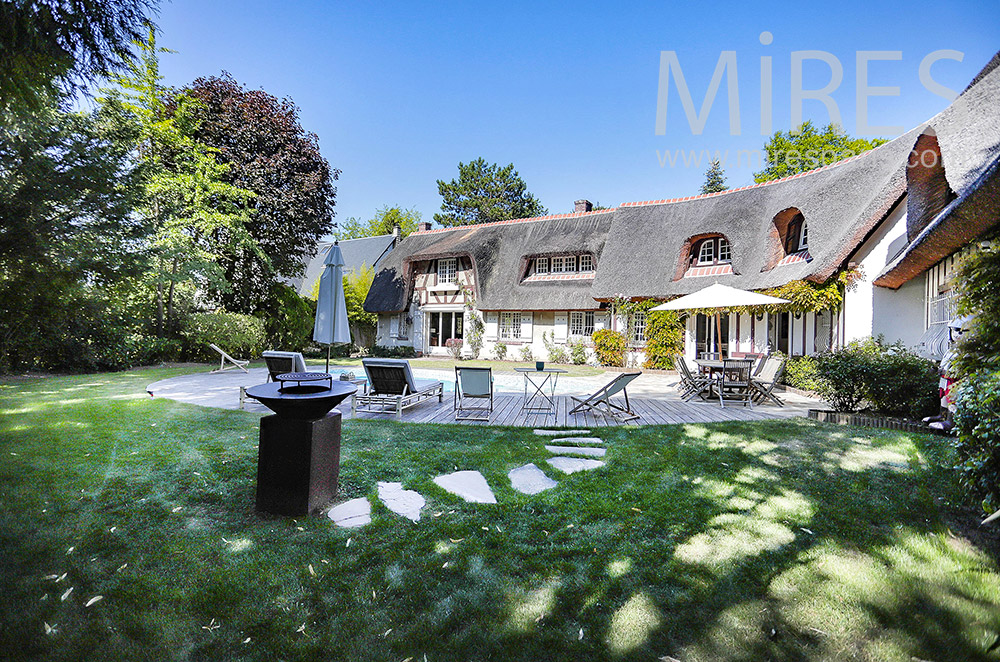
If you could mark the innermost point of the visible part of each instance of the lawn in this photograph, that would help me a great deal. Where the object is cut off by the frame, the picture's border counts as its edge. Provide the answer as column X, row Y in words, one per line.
column 784, row 540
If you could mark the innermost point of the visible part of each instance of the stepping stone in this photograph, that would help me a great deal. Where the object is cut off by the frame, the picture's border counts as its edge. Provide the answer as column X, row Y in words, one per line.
column 529, row 479
column 578, row 441
column 556, row 433
column 402, row 502
column 356, row 512
column 570, row 465
column 575, row 450
column 470, row 485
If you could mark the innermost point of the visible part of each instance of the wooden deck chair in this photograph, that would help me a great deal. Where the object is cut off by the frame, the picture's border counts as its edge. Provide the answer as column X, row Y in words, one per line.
column 734, row 382
column 236, row 363
column 600, row 401
column 473, row 384
column 691, row 383
column 768, row 377
column 279, row 363
column 392, row 388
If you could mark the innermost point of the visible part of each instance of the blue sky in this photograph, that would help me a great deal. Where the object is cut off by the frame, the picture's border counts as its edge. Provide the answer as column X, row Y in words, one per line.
column 399, row 93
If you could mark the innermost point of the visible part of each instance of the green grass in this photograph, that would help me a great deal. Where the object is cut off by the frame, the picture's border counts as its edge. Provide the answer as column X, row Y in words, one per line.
column 449, row 364
column 783, row 540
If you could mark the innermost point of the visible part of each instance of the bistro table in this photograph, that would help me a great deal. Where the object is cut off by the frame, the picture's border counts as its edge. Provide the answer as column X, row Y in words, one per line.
column 539, row 380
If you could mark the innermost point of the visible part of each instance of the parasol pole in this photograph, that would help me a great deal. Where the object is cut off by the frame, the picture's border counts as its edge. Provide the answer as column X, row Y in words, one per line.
column 328, row 358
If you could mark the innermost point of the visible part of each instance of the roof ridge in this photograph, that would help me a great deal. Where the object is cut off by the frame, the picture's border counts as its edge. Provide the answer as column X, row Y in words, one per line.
column 549, row 217
column 642, row 203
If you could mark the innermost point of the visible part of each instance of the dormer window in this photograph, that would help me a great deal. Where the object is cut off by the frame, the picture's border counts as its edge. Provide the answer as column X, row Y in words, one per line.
column 561, row 264
column 796, row 238
column 558, row 264
column 542, row 265
column 713, row 250
column 586, row 262
column 447, row 270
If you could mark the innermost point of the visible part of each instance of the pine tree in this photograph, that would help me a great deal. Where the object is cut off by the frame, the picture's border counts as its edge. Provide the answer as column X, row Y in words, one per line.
column 715, row 178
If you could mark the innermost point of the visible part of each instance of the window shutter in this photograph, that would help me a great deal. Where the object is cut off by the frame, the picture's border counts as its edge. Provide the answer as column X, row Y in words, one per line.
column 492, row 326
column 600, row 321
column 393, row 329
column 526, row 319
column 562, row 327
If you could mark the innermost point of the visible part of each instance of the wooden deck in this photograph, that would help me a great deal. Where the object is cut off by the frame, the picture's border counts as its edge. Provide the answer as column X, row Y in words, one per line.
column 652, row 411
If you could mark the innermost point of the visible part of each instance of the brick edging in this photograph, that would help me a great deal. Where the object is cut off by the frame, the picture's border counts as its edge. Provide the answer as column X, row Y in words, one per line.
column 871, row 421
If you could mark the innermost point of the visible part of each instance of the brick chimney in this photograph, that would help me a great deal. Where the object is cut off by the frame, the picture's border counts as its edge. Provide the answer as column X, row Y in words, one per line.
column 396, row 230
column 582, row 205
column 423, row 226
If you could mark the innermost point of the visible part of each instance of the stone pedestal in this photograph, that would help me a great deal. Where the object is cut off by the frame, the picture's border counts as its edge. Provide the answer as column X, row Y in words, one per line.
column 298, row 464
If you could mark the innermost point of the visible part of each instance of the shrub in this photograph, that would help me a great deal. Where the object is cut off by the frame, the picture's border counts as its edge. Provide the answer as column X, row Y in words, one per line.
column 610, row 347
column 556, row 353
column 454, row 346
column 400, row 352
column 890, row 378
column 578, row 352
column 526, row 354
column 241, row 336
column 288, row 319
column 664, row 340
column 500, row 351
column 802, row 372
column 474, row 334
column 977, row 421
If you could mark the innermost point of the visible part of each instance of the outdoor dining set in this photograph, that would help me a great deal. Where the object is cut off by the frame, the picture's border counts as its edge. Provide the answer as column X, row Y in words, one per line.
column 747, row 380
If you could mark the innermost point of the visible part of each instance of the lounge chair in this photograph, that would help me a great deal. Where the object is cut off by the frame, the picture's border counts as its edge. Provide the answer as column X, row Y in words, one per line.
column 392, row 388
column 473, row 384
column 600, row 401
column 279, row 363
column 691, row 383
column 734, row 382
column 767, row 378
column 236, row 363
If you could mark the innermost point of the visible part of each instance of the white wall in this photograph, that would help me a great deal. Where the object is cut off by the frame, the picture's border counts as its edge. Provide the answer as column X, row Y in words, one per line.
column 892, row 313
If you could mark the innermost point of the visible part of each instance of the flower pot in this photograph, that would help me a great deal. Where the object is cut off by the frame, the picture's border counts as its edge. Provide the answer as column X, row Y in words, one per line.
column 539, row 365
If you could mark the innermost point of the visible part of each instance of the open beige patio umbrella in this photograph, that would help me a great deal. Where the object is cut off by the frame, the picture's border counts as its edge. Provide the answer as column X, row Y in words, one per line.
column 718, row 296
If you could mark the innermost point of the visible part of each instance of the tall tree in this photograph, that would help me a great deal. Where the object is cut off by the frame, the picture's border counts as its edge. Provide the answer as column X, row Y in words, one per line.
column 67, row 234
column 381, row 223
column 196, row 215
column 45, row 44
column 484, row 193
column 265, row 150
column 807, row 148
column 715, row 178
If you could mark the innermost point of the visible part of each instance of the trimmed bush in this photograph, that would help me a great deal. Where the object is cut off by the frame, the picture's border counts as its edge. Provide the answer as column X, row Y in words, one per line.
column 241, row 336
column 802, row 372
column 610, row 347
column 977, row 421
column 401, row 352
column 890, row 379
column 454, row 346
column 578, row 352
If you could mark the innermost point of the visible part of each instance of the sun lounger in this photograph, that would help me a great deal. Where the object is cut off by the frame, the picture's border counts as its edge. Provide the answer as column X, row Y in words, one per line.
column 279, row 363
column 473, row 384
column 392, row 388
column 236, row 363
column 600, row 401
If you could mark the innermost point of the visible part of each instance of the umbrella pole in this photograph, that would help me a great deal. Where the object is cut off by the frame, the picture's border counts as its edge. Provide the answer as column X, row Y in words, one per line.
column 328, row 358
column 718, row 333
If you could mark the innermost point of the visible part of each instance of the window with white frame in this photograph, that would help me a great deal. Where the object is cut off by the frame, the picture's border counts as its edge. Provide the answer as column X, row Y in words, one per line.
column 706, row 254
column 447, row 270
column 725, row 253
column 558, row 264
column 510, row 326
column 639, row 327
column 402, row 326
column 542, row 265
column 586, row 262
column 570, row 263
column 581, row 323
column 804, row 236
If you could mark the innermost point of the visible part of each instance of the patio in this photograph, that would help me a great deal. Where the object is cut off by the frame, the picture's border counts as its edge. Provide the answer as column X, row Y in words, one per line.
column 653, row 397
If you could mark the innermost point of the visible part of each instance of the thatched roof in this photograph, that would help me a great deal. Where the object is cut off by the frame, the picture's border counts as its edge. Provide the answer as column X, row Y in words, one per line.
column 639, row 245
column 499, row 252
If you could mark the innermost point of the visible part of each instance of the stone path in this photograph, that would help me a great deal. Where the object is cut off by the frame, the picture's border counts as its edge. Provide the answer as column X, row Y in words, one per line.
column 472, row 485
